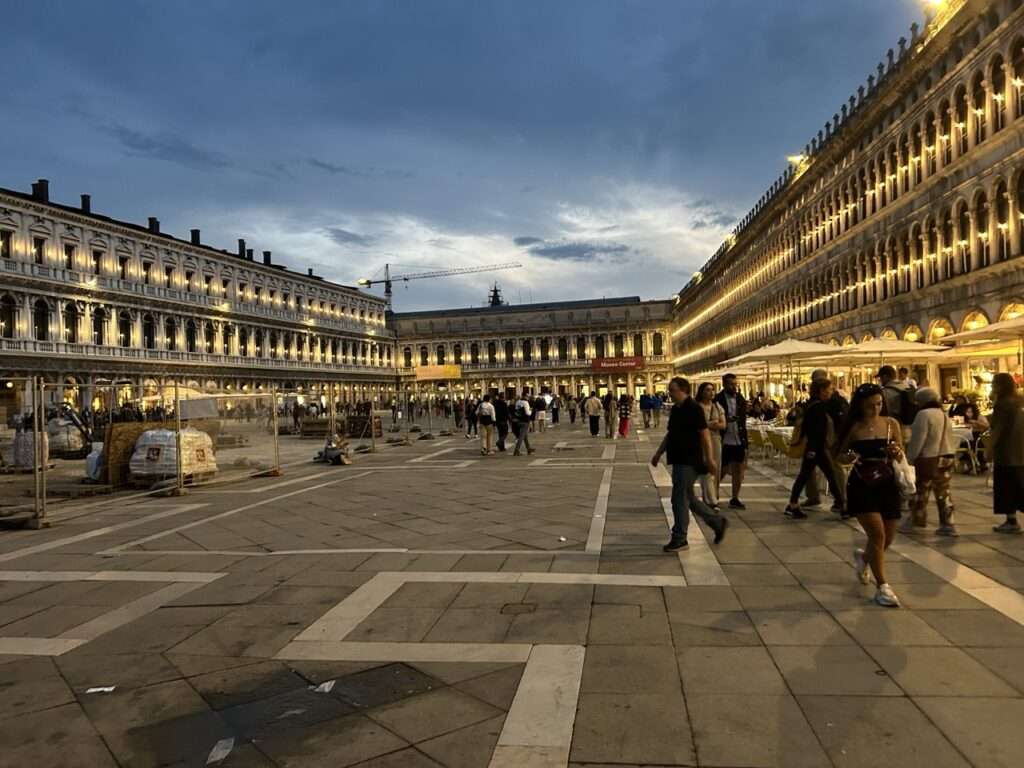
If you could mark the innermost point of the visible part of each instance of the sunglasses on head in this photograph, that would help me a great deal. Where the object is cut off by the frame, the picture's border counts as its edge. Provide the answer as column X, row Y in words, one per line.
column 867, row 390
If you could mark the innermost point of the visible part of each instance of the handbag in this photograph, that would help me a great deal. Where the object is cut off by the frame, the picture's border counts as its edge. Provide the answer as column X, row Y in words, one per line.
column 906, row 475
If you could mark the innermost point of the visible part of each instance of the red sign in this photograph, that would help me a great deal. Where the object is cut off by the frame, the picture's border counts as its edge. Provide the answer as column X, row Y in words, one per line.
column 616, row 364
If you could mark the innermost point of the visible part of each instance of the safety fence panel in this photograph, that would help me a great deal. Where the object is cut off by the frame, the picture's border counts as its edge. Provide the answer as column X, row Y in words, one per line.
column 24, row 452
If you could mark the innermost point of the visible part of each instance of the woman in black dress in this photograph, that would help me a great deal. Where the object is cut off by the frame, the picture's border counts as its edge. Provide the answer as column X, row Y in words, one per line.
column 870, row 441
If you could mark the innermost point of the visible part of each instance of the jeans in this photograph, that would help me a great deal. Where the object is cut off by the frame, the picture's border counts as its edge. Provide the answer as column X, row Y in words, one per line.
column 502, row 434
column 486, row 437
column 595, row 425
column 523, row 436
column 684, row 501
column 822, row 461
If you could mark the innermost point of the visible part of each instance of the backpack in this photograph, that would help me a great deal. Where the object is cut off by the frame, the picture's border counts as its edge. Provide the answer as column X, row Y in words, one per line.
column 521, row 413
column 908, row 406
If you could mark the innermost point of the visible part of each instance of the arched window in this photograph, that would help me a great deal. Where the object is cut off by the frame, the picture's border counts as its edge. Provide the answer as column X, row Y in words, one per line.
column 41, row 320
column 243, row 342
column 457, row 354
column 1017, row 63
column 510, row 353
column 273, row 345
column 424, row 356
column 407, row 357
column 931, row 151
column 964, row 223
column 8, row 317
column 581, row 341
column 71, row 322
column 932, row 251
column 998, row 94
column 978, row 108
column 227, row 332
column 545, row 350
column 563, row 349
column 171, row 334
column 948, row 245
column 527, row 350
column 638, row 344
column 124, row 329
column 984, row 247
column 190, row 336
column 210, row 338
column 99, row 326
column 946, row 136
column 1002, row 222
column 474, row 353
column 439, row 357
column 492, row 353
column 599, row 347
column 658, row 345
column 960, row 101
column 148, row 332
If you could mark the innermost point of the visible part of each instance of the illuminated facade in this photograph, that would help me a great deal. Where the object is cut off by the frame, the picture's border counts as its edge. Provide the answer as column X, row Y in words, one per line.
column 86, row 300
column 901, row 219
column 573, row 347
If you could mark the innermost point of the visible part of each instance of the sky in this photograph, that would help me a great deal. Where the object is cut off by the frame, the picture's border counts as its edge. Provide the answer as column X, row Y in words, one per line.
column 606, row 146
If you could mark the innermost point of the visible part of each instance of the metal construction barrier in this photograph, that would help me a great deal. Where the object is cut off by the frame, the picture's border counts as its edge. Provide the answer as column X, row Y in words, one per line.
column 24, row 453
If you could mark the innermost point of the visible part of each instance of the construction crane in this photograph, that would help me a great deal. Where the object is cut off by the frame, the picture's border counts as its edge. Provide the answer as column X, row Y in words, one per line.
column 388, row 278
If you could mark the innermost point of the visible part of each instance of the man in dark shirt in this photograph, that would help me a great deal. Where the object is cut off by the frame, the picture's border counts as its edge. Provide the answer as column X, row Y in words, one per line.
column 688, row 445
column 501, row 415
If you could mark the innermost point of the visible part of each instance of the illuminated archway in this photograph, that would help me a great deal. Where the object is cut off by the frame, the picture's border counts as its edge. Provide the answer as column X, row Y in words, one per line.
column 849, row 341
column 1012, row 311
column 869, row 336
column 913, row 333
column 939, row 329
column 889, row 335
column 974, row 320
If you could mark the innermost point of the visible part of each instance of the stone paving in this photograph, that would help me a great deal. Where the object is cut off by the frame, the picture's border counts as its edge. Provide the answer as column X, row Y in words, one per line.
column 428, row 606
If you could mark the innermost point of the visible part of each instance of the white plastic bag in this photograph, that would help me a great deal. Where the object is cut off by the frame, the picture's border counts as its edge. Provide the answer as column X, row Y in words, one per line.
column 906, row 476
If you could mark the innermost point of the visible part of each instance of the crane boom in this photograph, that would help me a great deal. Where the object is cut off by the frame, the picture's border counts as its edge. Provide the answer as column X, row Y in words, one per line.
column 388, row 278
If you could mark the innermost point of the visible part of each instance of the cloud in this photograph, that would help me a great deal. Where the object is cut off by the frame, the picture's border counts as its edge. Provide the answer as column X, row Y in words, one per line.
column 579, row 251
column 524, row 241
column 167, row 147
column 333, row 169
column 346, row 237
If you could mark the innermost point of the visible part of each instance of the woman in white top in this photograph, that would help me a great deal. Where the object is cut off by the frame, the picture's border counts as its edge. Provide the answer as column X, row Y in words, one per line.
column 932, row 451
column 485, row 418
column 715, row 417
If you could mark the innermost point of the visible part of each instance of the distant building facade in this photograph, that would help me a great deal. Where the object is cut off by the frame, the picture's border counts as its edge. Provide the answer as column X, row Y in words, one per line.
column 902, row 219
column 568, row 347
column 87, row 301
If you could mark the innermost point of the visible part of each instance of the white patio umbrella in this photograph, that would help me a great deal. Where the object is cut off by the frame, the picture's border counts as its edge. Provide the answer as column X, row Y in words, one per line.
column 980, row 340
column 789, row 349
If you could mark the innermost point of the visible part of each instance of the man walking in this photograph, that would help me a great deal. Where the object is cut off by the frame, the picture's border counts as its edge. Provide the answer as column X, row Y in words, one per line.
column 611, row 406
column 521, row 423
column 688, row 445
column 645, row 409
column 592, row 407
column 501, row 419
column 734, row 439
column 485, row 418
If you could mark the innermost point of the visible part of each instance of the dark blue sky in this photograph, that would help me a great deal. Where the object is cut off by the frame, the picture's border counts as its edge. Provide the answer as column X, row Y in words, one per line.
column 608, row 146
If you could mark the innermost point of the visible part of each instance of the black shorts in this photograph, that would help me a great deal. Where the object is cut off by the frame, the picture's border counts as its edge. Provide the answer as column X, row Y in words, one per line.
column 1007, row 490
column 733, row 454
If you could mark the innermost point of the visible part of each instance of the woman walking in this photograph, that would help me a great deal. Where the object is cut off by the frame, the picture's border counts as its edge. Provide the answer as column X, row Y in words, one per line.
column 814, row 429
column 625, row 411
column 931, row 450
column 870, row 441
column 1007, row 452
column 571, row 404
column 715, row 418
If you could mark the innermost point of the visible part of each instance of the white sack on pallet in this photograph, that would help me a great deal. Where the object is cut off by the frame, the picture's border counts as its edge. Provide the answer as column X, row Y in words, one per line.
column 155, row 454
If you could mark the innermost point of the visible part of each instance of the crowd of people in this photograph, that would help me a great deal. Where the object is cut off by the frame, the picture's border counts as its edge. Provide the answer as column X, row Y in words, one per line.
column 884, row 453
column 492, row 417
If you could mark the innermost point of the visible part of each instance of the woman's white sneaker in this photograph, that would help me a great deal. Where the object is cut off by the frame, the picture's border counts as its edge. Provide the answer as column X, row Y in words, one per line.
column 861, row 566
column 885, row 596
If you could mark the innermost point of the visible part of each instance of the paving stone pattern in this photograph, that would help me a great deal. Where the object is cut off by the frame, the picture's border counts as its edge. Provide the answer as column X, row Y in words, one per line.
column 789, row 663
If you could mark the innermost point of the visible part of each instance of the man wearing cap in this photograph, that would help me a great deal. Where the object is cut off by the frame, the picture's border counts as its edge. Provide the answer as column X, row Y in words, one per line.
column 898, row 399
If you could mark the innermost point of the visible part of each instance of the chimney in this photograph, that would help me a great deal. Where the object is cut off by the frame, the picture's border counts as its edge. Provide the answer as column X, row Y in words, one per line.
column 154, row 225
column 195, row 236
column 41, row 191
column 266, row 258
column 241, row 248
column 310, row 271
column 249, row 254
column 86, row 203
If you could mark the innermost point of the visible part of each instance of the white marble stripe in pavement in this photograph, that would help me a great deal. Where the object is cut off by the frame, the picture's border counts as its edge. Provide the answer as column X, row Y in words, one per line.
column 185, row 577
column 609, row 452
column 177, row 509
column 37, row 646
column 334, row 625
column 433, row 455
column 538, row 727
column 136, row 609
column 222, row 515
column 328, row 650
column 595, row 537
